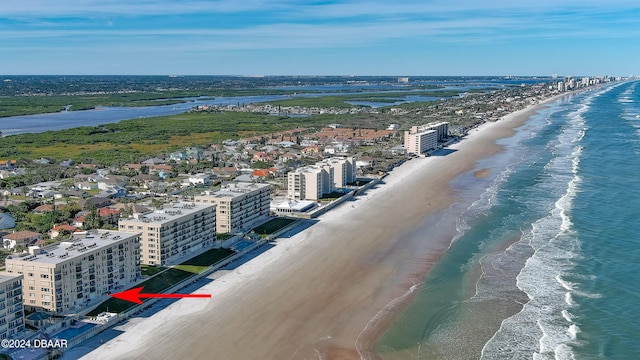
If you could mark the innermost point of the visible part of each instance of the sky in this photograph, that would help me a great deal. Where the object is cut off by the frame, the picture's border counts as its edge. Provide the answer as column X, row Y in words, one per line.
column 299, row 37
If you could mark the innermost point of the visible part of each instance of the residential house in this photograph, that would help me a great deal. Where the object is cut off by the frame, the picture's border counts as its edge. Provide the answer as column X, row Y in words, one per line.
column 225, row 172
column 86, row 185
column 98, row 202
column 153, row 161
column 108, row 216
column 42, row 209
column 55, row 231
column 199, row 179
column 8, row 164
column 312, row 150
column 112, row 182
column 23, row 238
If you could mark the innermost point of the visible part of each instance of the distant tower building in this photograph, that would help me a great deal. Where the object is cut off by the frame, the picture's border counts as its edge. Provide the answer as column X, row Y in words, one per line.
column 403, row 80
column 561, row 86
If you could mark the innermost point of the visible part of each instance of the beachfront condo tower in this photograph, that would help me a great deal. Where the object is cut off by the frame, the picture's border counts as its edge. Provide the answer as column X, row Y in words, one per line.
column 68, row 276
column 11, row 309
column 172, row 232
column 240, row 206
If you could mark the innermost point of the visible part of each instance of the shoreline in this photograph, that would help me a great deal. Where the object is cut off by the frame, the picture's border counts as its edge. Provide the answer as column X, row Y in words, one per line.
column 506, row 126
column 315, row 292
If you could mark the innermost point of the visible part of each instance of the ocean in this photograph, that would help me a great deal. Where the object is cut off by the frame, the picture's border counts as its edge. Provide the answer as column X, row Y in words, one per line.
column 545, row 260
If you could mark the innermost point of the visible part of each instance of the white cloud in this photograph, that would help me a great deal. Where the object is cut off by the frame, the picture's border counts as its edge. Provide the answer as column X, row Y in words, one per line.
column 90, row 8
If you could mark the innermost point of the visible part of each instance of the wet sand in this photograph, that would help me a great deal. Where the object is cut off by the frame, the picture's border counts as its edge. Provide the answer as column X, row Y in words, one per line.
column 313, row 294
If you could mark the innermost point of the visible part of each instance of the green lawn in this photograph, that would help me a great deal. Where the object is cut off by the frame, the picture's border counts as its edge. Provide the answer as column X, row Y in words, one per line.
column 272, row 226
column 166, row 279
column 156, row 284
column 223, row 236
column 150, row 270
column 208, row 257
column 332, row 196
column 360, row 182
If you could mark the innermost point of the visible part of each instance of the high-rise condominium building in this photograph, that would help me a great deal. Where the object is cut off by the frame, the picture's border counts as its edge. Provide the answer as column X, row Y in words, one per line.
column 425, row 137
column 11, row 308
column 239, row 205
column 66, row 276
column 176, row 230
column 306, row 183
column 311, row 182
column 344, row 170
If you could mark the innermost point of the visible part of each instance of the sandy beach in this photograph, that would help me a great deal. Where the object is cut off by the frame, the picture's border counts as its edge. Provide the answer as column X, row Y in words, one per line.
column 319, row 293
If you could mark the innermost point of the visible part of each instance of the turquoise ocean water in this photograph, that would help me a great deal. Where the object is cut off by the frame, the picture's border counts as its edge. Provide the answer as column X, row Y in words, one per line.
column 546, row 260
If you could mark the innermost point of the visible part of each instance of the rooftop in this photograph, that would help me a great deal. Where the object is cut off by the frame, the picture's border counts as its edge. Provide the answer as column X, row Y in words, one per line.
column 235, row 188
column 78, row 245
column 19, row 235
column 168, row 213
column 5, row 276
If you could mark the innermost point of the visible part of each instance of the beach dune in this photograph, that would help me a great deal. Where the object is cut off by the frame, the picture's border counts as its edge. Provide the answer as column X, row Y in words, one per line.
column 319, row 293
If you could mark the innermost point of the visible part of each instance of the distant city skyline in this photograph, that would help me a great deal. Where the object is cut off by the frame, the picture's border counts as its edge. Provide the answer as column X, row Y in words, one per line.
column 257, row 37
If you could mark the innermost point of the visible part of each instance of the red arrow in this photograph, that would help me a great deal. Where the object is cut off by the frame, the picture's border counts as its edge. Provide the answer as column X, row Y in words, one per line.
column 134, row 295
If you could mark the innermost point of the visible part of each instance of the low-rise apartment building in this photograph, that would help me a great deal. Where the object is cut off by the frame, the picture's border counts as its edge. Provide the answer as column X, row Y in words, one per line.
column 65, row 277
column 11, row 308
column 172, row 232
column 239, row 205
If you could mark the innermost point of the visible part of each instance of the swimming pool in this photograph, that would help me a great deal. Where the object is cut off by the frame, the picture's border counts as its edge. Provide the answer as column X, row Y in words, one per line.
column 71, row 332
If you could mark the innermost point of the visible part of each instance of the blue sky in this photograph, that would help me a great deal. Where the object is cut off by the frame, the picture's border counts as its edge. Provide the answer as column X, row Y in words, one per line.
column 285, row 37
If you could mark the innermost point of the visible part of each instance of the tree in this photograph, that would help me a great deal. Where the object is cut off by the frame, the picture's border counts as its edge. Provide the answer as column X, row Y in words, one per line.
column 93, row 220
column 157, row 203
column 63, row 234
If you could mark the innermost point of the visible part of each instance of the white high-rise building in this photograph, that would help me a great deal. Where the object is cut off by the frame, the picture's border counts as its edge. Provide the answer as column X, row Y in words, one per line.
column 306, row 183
column 311, row 182
column 344, row 170
column 172, row 232
column 418, row 143
column 239, row 205
column 425, row 137
column 561, row 87
column 11, row 308
column 66, row 276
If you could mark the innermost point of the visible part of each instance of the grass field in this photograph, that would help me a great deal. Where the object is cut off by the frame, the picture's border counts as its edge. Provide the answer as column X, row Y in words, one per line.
column 156, row 284
column 332, row 196
column 149, row 270
column 166, row 279
column 131, row 140
column 199, row 263
column 272, row 226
